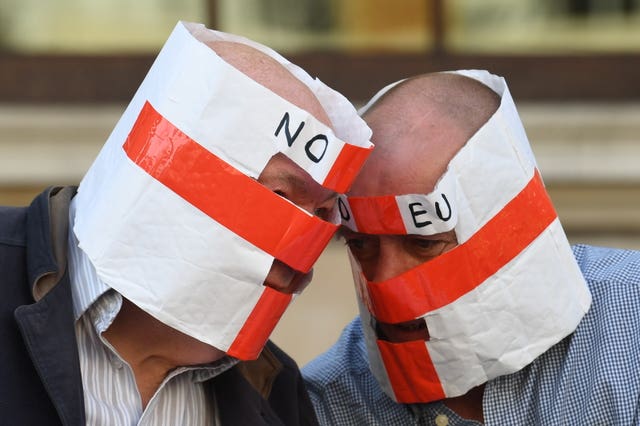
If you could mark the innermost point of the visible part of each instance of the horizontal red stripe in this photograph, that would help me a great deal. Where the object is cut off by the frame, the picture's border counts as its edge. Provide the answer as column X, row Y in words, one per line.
column 346, row 167
column 223, row 193
column 256, row 330
column 377, row 215
column 447, row 277
column 411, row 372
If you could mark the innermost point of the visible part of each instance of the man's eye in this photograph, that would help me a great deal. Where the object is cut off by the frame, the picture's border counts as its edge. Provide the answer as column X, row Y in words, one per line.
column 355, row 243
column 362, row 247
column 428, row 248
column 326, row 214
column 425, row 243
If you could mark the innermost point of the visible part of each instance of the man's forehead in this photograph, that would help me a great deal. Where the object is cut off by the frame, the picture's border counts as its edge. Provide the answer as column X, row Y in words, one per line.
column 402, row 171
column 410, row 160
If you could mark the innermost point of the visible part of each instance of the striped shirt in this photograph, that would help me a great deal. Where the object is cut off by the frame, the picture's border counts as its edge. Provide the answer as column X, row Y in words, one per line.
column 591, row 377
column 110, row 392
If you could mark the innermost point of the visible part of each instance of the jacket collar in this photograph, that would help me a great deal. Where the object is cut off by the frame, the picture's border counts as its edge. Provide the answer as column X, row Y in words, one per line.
column 242, row 393
column 47, row 326
column 262, row 372
column 47, row 234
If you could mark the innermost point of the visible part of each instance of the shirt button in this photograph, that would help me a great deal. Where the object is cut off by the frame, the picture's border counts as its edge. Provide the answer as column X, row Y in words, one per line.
column 442, row 420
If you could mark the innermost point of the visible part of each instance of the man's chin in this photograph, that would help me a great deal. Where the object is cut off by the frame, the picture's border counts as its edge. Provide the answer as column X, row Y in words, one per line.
column 403, row 332
column 286, row 280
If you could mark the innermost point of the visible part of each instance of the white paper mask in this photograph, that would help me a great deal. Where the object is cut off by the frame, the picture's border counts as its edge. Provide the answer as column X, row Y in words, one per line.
column 508, row 292
column 171, row 214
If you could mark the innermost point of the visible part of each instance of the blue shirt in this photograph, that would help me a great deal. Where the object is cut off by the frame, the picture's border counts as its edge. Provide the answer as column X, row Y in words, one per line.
column 592, row 377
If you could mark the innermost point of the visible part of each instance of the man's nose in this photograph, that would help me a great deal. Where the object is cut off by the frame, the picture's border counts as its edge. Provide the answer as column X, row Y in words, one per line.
column 285, row 279
column 392, row 260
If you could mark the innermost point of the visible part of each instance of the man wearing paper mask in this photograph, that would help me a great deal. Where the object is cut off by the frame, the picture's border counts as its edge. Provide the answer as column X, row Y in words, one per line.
column 473, row 306
column 132, row 301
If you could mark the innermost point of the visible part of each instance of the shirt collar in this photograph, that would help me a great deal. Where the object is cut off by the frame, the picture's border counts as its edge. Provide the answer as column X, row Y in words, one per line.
column 86, row 286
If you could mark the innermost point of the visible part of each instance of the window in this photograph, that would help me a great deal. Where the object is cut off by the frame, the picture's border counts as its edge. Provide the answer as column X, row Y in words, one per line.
column 99, row 51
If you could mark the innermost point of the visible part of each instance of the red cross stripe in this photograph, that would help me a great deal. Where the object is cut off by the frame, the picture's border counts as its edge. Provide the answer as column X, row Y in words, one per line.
column 263, row 319
column 411, row 371
column 346, row 167
column 444, row 279
column 223, row 193
column 377, row 215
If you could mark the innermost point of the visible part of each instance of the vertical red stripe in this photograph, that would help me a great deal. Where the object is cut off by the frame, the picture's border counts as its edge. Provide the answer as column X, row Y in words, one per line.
column 259, row 325
column 231, row 198
column 411, row 372
column 377, row 215
column 444, row 279
column 346, row 167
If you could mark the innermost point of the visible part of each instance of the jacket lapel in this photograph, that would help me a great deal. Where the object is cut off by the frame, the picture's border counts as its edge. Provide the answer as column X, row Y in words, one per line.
column 48, row 331
column 47, row 326
column 239, row 403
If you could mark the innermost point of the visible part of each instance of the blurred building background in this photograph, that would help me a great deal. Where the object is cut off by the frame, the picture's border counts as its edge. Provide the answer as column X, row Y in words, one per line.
column 68, row 68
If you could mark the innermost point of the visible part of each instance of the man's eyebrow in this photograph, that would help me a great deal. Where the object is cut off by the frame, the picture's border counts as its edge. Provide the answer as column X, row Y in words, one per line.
column 300, row 185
